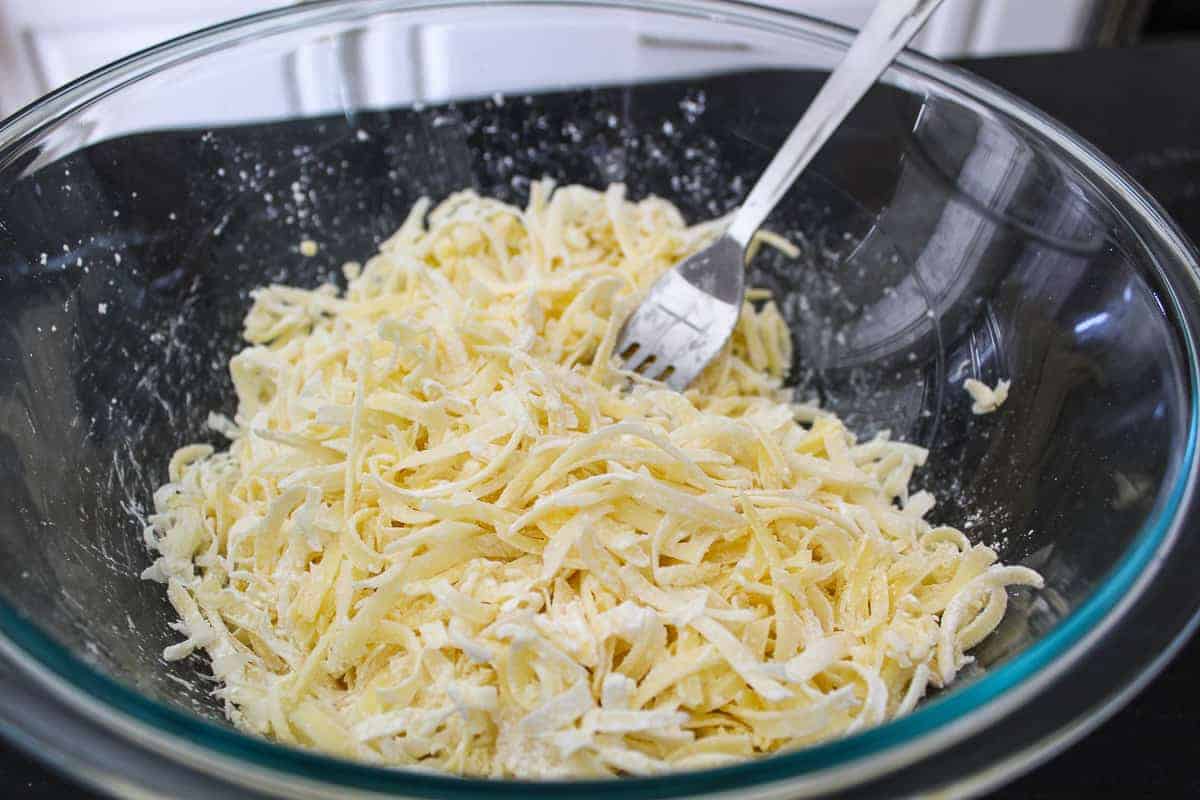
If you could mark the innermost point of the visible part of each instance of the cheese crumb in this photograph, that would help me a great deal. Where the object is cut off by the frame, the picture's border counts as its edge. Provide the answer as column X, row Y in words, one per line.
column 985, row 398
column 308, row 248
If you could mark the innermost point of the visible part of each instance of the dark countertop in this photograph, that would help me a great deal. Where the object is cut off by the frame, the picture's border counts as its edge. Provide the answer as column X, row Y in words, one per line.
column 1141, row 106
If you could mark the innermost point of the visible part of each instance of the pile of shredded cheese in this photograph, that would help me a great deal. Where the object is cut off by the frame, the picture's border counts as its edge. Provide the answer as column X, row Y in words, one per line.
column 450, row 533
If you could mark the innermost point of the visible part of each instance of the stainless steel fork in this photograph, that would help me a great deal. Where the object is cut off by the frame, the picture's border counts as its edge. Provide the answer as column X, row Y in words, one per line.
column 690, row 312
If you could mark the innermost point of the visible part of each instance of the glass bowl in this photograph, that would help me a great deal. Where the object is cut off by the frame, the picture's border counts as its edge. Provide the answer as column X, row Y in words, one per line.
column 948, row 231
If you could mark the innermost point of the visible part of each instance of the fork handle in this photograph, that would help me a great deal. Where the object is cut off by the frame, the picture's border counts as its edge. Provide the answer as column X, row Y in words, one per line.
column 891, row 25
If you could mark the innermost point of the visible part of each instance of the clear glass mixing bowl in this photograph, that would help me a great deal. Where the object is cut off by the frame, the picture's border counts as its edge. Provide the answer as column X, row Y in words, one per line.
column 948, row 231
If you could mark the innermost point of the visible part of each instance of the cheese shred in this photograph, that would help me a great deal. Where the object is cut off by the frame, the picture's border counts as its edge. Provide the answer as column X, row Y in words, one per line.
column 449, row 532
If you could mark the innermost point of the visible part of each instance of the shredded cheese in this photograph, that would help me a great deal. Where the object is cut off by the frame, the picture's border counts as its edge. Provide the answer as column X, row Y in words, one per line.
column 449, row 532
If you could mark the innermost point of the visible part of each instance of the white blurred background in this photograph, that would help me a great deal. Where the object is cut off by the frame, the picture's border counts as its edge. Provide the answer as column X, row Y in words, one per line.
column 45, row 43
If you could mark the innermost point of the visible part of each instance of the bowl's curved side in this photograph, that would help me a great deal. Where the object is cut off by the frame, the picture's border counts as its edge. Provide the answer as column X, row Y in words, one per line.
column 990, row 726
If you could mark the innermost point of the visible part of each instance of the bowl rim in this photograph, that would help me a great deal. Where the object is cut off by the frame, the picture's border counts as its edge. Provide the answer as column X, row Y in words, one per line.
column 958, row 713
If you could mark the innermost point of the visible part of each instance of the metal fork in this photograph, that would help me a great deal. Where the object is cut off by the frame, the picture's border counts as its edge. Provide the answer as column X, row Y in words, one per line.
column 691, row 311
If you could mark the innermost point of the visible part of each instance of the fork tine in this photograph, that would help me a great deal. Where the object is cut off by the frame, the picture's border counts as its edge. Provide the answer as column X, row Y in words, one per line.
column 675, row 320
column 628, row 338
column 643, row 354
column 672, row 343
column 641, row 331
column 655, row 369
